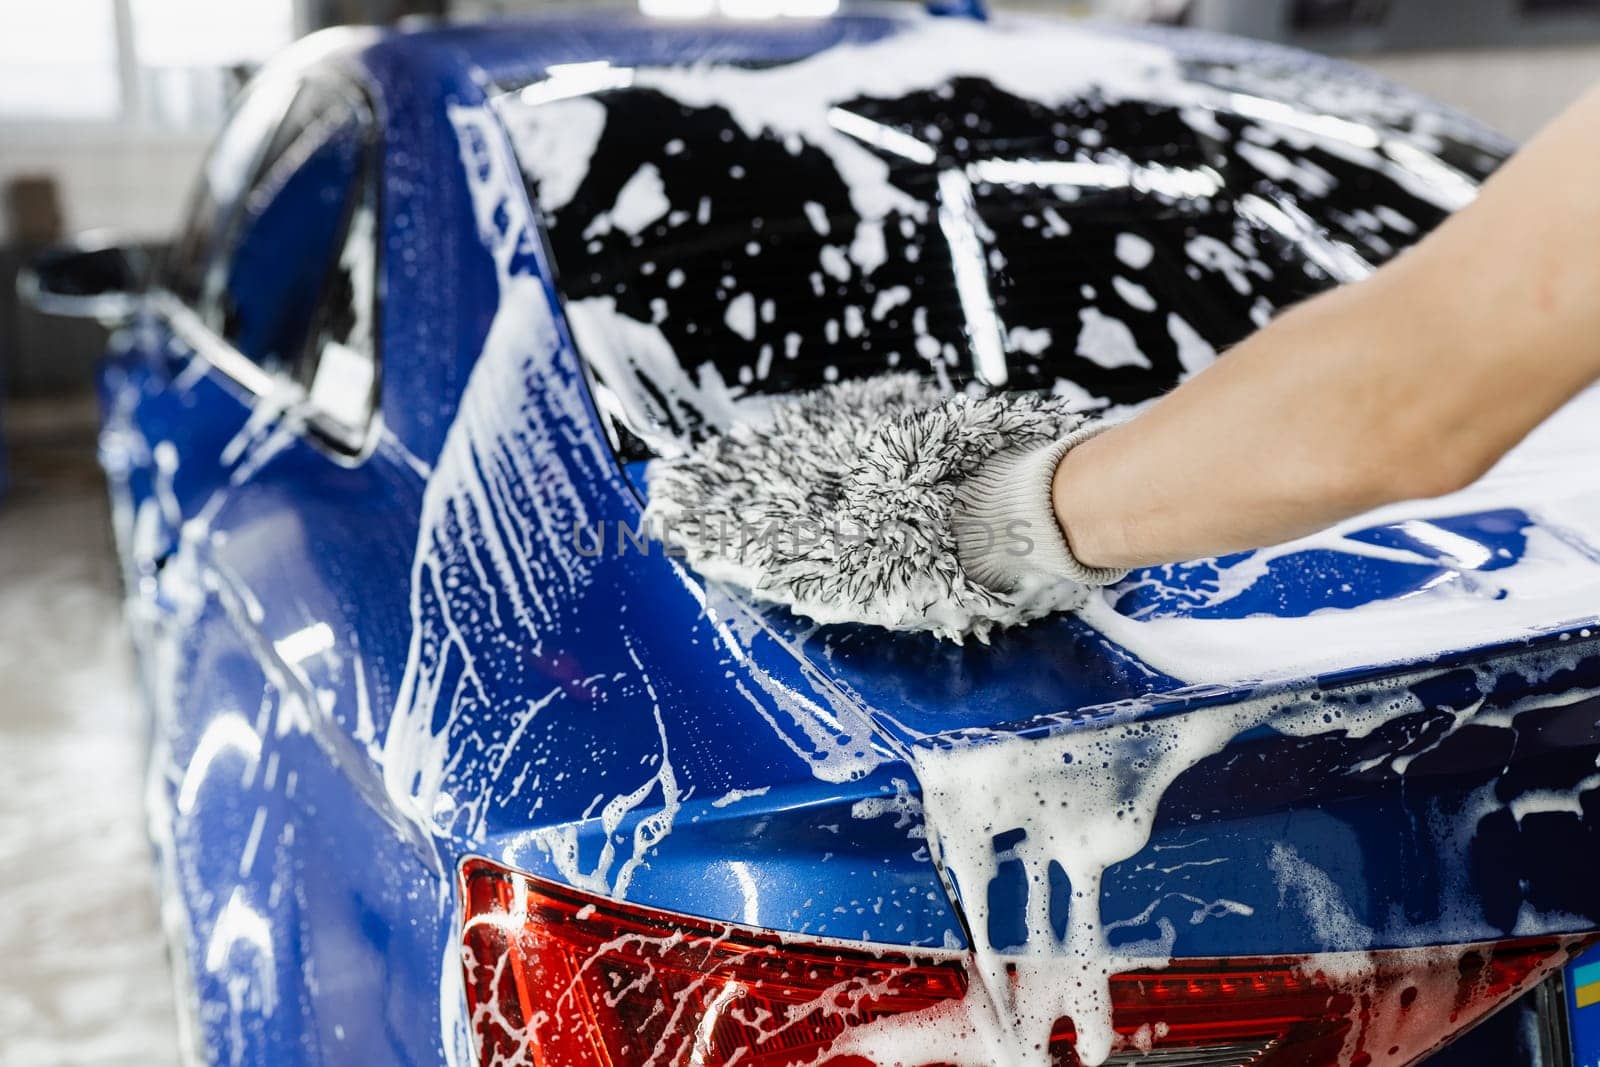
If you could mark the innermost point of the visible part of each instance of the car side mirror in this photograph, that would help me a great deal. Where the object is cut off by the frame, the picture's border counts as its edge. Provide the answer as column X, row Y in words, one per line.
column 85, row 278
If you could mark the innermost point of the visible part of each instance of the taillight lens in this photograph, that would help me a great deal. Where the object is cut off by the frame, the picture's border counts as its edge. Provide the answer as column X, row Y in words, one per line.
column 559, row 978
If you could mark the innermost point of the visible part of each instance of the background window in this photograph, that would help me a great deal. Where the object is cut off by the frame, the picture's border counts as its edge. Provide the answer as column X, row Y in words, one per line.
column 189, row 54
column 58, row 60
column 169, row 64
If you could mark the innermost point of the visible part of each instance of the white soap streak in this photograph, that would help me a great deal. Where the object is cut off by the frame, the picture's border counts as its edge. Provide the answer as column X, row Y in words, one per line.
column 829, row 728
column 818, row 216
column 904, row 805
column 622, row 350
column 476, row 580
column 1285, row 221
column 1394, row 220
column 1317, row 897
column 889, row 299
column 734, row 796
column 471, row 492
column 561, row 843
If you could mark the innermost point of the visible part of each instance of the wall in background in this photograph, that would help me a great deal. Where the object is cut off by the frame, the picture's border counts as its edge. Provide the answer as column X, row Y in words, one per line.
column 1513, row 90
column 130, row 180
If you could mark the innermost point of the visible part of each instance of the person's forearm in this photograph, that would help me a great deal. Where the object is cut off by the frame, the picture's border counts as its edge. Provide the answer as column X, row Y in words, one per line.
column 1411, row 383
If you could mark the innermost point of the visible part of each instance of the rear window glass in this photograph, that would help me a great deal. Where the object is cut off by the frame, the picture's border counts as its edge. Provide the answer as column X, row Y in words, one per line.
column 721, row 233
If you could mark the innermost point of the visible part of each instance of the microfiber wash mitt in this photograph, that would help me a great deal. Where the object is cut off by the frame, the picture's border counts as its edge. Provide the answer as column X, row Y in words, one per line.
column 885, row 501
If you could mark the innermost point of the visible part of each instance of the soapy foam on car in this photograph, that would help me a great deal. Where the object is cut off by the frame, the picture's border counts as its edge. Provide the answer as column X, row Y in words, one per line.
column 1002, row 1022
column 1085, row 798
column 807, row 103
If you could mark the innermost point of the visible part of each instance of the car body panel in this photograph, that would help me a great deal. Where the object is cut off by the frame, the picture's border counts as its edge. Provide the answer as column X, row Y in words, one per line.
column 367, row 669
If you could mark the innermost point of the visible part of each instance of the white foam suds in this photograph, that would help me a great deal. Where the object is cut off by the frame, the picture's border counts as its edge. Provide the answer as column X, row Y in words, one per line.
column 1107, row 341
column 1085, row 799
column 622, row 348
column 1318, row 898
column 1136, row 295
column 1134, row 250
column 562, row 136
column 734, row 796
column 741, row 316
column 1195, row 353
column 641, row 201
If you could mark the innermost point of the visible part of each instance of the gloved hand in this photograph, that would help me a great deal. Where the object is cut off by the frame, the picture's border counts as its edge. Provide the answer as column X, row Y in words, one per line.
column 885, row 501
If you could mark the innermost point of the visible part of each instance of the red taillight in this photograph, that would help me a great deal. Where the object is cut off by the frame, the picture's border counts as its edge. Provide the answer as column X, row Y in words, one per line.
column 558, row 978
column 1380, row 1008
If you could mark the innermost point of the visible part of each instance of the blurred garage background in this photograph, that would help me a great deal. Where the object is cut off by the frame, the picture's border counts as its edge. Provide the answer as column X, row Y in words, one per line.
column 105, row 109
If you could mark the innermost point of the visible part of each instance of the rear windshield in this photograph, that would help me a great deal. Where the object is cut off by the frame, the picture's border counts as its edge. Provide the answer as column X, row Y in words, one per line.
column 724, row 233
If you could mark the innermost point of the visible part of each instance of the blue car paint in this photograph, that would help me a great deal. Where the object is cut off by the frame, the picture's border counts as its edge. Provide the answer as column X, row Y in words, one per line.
column 966, row 9
column 318, row 911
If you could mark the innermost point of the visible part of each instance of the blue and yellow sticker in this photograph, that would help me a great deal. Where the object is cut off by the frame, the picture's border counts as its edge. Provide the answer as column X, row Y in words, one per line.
column 1583, row 1008
column 1586, row 985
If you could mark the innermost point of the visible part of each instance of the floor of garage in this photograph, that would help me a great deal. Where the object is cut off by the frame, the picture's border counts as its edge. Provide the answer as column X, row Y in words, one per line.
column 85, row 978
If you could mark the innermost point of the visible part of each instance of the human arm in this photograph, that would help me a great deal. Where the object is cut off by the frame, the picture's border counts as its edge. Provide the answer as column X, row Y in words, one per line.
column 1411, row 383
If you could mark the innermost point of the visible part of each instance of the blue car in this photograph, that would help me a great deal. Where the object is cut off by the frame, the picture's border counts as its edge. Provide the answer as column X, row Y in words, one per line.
column 452, row 763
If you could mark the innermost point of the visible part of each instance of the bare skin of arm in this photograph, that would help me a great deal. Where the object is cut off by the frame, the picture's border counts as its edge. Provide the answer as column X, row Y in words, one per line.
column 1411, row 383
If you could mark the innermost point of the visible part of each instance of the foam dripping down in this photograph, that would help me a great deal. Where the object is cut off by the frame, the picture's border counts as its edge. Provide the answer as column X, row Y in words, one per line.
column 1085, row 798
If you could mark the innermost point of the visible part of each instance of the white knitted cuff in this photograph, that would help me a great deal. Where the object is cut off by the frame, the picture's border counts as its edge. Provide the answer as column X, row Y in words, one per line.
column 1005, row 525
